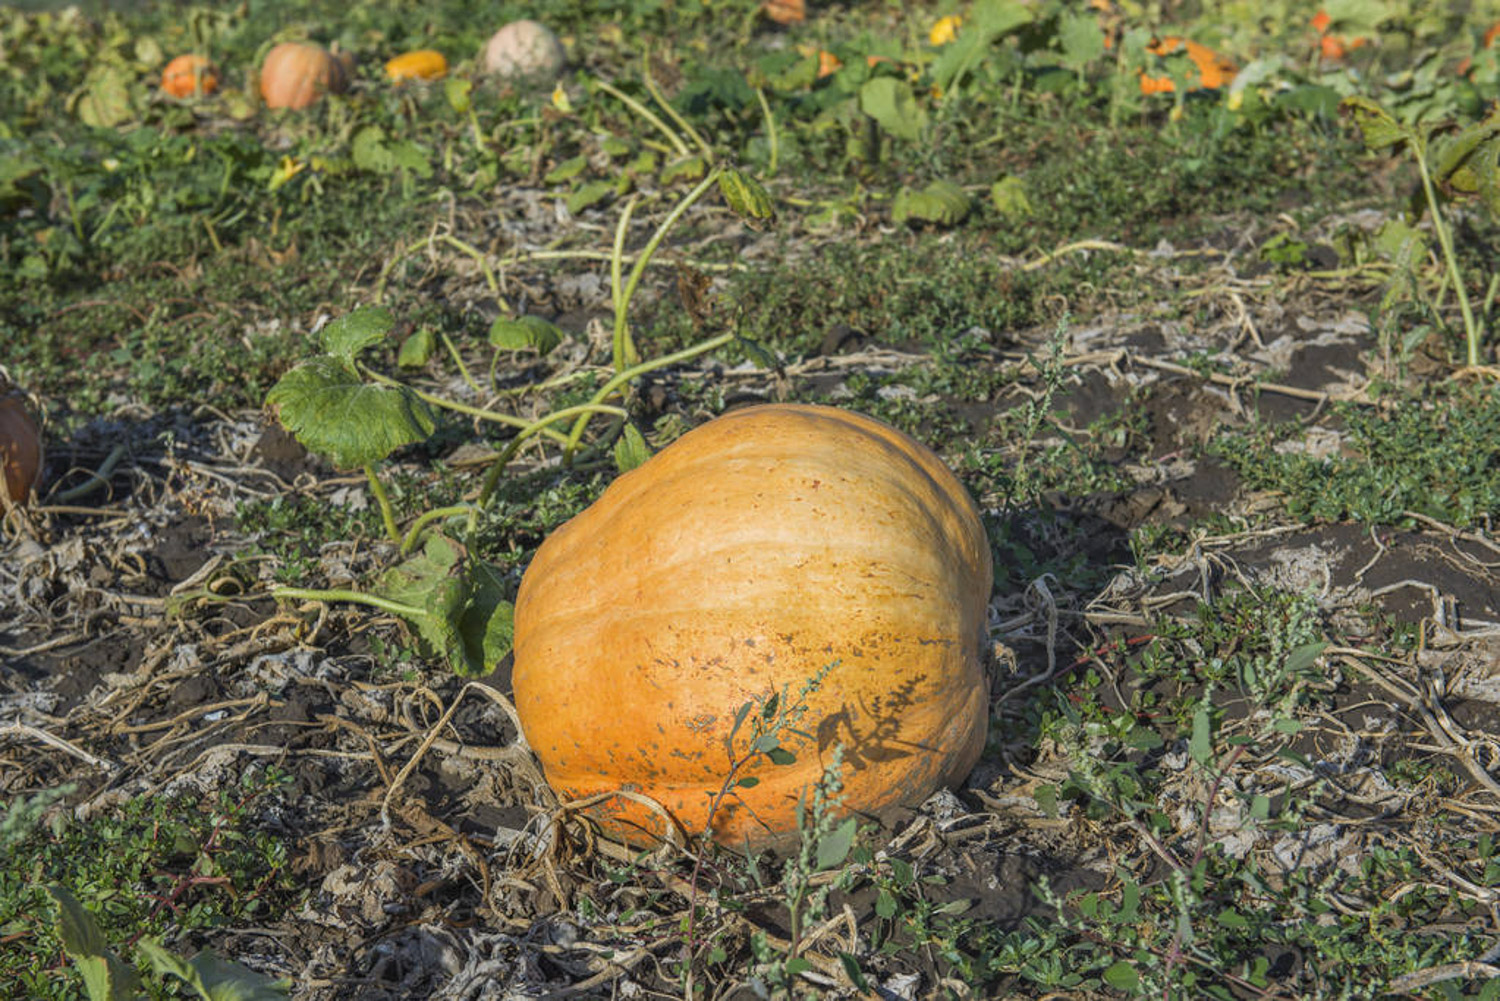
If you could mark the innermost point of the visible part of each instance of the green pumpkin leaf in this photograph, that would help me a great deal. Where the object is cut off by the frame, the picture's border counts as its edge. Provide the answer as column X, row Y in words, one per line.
column 457, row 91
column 1376, row 124
column 1008, row 195
column 988, row 20
column 214, row 977
column 416, row 350
column 688, row 168
column 461, row 614
column 335, row 414
column 588, row 195
column 893, row 106
column 1467, row 161
column 350, row 334
column 1082, row 41
column 941, row 202
column 746, row 197
column 371, row 150
column 567, row 170
column 487, row 625
column 517, row 333
column 105, row 99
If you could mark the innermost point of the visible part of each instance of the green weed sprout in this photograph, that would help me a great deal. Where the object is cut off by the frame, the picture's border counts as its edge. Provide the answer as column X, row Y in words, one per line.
column 825, row 841
column 1463, row 160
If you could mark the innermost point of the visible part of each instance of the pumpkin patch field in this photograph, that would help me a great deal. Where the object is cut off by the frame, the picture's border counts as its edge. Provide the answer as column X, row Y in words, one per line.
column 728, row 500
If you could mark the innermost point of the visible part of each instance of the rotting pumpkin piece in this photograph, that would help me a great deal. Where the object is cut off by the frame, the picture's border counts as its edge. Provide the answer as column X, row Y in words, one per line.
column 740, row 561
column 20, row 450
column 1214, row 70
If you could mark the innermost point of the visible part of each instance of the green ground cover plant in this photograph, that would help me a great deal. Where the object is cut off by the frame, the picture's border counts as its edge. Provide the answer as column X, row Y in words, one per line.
column 159, row 866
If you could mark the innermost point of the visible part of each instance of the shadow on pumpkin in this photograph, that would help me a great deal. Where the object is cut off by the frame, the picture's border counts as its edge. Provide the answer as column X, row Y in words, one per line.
column 864, row 744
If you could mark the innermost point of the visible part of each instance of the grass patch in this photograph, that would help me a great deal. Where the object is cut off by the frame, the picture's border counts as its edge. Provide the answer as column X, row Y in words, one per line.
column 161, row 866
column 1430, row 454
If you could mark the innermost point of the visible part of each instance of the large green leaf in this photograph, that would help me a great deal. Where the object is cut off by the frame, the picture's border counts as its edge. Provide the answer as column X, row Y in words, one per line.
column 890, row 102
column 336, row 414
column 213, row 977
column 487, row 627
column 1082, row 41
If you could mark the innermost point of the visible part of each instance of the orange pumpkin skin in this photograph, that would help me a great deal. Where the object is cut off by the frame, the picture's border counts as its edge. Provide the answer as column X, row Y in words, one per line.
column 423, row 64
column 20, row 449
column 739, row 561
column 296, row 74
column 189, row 76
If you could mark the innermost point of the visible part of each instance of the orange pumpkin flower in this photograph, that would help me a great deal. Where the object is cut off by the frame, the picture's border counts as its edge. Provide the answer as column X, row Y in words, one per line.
column 1213, row 69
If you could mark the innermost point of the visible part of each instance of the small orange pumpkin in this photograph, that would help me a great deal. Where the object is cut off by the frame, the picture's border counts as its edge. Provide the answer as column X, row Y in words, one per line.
column 741, row 560
column 1214, row 70
column 423, row 64
column 189, row 76
column 296, row 74
column 20, row 450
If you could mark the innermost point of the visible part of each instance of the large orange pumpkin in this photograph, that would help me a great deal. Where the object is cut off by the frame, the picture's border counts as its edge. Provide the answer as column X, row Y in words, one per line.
column 296, row 74
column 20, row 449
column 189, row 76
column 740, row 561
